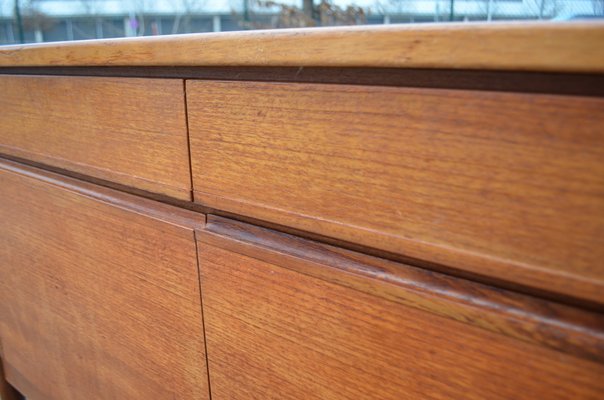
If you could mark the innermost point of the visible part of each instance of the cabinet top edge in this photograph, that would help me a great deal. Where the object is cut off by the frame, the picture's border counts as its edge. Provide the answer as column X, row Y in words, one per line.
column 565, row 46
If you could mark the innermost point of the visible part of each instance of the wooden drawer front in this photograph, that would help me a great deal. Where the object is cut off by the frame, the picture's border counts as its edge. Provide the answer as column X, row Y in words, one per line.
column 130, row 131
column 97, row 299
column 278, row 327
column 505, row 185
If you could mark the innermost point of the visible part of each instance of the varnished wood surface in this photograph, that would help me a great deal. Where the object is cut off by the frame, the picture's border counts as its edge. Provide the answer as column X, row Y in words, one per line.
column 501, row 185
column 99, row 292
column 274, row 333
column 526, row 46
column 544, row 323
column 131, row 131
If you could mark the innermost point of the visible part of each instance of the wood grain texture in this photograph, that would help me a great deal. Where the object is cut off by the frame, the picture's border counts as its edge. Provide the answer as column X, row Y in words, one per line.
column 544, row 323
column 99, row 292
column 131, row 131
column 503, row 185
column 528, row 46
column 274, row 333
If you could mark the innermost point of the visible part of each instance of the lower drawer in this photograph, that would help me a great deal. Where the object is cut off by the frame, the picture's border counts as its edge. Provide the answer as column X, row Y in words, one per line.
column 99, row 293
column 287, row 318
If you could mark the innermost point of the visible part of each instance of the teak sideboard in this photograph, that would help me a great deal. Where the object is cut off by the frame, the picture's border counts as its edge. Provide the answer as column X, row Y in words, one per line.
column 397, row 212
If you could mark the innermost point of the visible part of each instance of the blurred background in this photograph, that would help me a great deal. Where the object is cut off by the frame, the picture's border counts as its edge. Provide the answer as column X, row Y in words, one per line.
column 30, row 21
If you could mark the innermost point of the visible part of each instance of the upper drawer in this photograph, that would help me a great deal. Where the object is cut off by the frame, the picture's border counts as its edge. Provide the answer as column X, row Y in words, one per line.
column 505, row 185
column 130, row 131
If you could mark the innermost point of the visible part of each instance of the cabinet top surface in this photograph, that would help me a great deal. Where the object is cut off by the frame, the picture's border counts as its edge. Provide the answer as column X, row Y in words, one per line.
column 517, row 46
